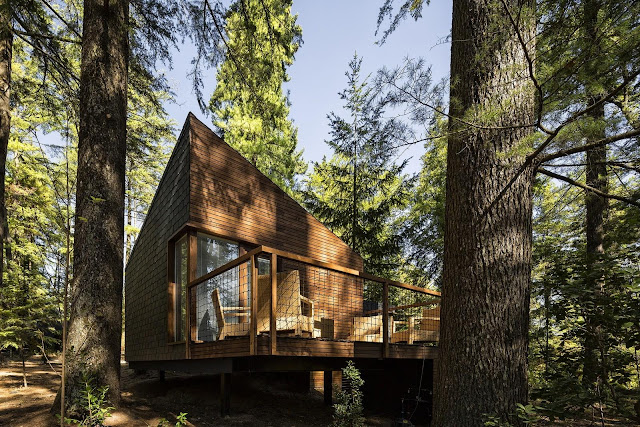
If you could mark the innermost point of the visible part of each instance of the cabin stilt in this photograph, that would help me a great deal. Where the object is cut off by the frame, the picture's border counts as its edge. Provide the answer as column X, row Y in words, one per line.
column 225, row 394
column 328, row 387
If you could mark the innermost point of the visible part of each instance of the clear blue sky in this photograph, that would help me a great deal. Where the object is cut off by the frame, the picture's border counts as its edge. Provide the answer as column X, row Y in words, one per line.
column 332, row 31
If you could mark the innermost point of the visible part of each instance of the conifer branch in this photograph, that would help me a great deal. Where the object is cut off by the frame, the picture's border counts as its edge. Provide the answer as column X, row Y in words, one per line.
column 55, row 60
column 55, row 12
column 46, row 36
column 623, row 165
column 595, row 144
column 589, row 188
column 231, row 55
column 530, row 64
column 458, row 119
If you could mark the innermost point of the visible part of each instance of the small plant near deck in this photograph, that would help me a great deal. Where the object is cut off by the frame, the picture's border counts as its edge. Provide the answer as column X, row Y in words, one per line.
column 181, row 421
column 526, row 415
column 93, row 407
column 348, row 408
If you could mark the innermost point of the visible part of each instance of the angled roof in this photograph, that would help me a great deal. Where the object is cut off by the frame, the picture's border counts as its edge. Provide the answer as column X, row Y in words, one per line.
column 210, row 186
column 231, row 197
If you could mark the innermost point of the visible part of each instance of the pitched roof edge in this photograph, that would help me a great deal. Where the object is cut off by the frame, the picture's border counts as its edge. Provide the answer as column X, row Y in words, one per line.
column 185, row 127
column 192, row 117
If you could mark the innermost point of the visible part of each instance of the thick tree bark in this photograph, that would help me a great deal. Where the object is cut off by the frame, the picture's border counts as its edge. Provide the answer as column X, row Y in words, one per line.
column 487, row 253
column 95, row 320
column 596, row 207
column 6, row 43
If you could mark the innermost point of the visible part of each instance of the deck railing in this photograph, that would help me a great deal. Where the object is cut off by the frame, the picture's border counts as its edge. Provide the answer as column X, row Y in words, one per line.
column 268, row 290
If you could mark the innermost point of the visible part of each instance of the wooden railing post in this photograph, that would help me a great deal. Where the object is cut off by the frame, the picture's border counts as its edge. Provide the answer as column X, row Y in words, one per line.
column 274, row 301
column 253, row 328
column 192, row 259
column 385, row 319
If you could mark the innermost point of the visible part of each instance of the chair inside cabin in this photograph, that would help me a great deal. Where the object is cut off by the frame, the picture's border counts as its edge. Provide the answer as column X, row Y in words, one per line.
column 225, row 328
column 290, row 316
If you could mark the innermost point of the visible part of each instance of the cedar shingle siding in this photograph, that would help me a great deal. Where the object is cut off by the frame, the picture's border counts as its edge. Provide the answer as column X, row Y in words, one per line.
column 146, row 296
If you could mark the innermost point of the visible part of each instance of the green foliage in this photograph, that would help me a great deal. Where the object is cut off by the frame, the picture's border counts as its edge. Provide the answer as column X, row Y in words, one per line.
column 92, row 408
column 562, row 301
column 181, row 421
column 360, row 191
column 348, row 406
column 249, row 107
column 424, row 223
column 150, row 138
column 525, row 414
column 28, row 310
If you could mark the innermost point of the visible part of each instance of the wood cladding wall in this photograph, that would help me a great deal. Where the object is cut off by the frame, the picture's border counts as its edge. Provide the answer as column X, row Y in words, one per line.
column 146, row 294
column 209, row 186
column 230, row 197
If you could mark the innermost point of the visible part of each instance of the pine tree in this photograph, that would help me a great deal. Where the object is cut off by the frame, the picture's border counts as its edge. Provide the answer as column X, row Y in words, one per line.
column 28, row 312
column 249, row 107
column 487, row 245
column 6, row 42
column 95, row 324
column 602, row 37
column 359, row 192
column 424, row 222
column 150, row 136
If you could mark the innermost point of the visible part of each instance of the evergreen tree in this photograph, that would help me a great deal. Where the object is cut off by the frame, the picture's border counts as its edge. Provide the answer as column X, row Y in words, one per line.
column 29, row 21
column 249, row 107
column 150, row 137
column 424, row 222
column 563, row 303
column 95, row 322
column 359, row 192
column 28, row 312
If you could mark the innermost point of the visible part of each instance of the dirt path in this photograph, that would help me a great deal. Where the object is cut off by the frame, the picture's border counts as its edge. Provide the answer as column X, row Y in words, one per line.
column 146, row 400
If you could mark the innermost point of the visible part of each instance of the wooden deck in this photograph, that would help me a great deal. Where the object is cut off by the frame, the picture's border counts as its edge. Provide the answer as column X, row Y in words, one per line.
column 310, row 347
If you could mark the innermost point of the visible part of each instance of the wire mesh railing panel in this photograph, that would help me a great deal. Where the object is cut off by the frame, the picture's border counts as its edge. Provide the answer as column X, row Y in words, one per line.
column 414, row 317
column 222, row 305
column 307, row 300
column 318, row 302
column 368, row 324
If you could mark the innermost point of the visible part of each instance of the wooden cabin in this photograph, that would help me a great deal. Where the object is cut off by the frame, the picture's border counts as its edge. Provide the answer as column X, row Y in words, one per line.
column 225, row 258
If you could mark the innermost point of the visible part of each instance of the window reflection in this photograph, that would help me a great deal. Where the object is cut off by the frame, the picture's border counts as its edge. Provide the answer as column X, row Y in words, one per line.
column 213, row 253
column 180, row 280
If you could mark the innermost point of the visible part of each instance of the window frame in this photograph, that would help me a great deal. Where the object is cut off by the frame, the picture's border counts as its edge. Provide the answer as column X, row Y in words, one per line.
column 192, row 258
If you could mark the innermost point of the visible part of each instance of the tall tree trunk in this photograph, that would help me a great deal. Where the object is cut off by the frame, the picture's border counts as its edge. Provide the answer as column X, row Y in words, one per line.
column 6, row 43
column 596, row 207
column 24, row 368
column 487, row 251
column 95, row 320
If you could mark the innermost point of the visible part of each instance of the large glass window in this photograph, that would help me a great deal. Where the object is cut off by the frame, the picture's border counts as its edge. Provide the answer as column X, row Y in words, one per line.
column 180, row 290
column 213, row 253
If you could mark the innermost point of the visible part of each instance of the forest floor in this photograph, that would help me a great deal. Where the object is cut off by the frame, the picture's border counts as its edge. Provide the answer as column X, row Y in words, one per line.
column 256, row 401
column 146, row 400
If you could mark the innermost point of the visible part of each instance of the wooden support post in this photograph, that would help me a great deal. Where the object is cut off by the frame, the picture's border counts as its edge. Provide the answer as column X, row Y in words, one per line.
column 161, row 376
column 411, row 329
column 253, row 327
column 328, row 387
column 385, row 319
column 171, row 280
column 225, row 394
column 243, row 292
column 274, row 301
column 192, row 260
